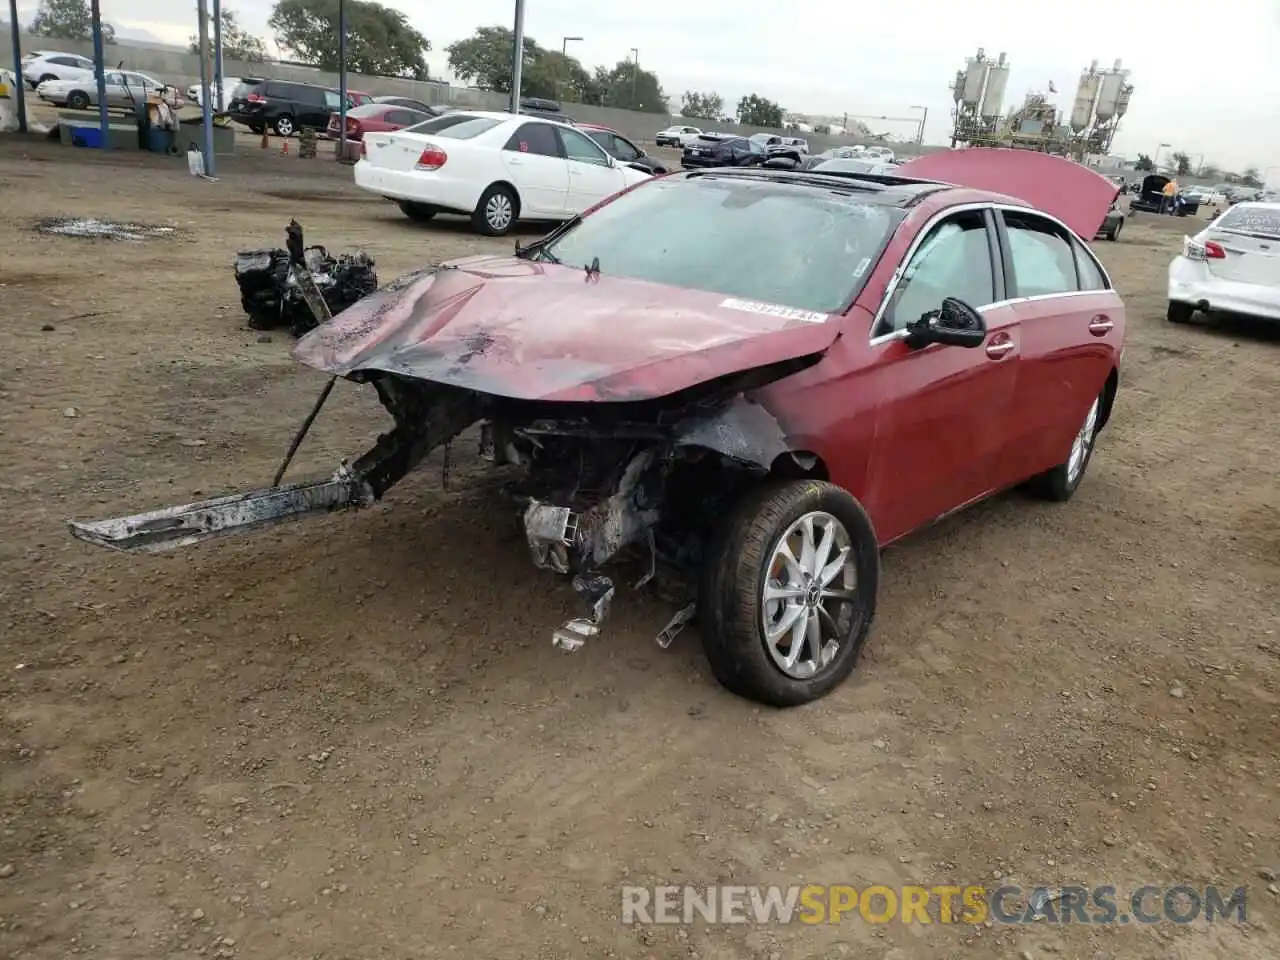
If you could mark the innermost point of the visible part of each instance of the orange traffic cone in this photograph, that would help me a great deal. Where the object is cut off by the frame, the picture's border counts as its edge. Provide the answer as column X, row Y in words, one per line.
column 284, row 149
column 265, row 140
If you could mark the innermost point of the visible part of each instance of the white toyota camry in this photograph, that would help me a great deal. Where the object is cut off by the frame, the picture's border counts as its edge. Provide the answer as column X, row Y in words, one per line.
column 1232, row 265
column 496, row 168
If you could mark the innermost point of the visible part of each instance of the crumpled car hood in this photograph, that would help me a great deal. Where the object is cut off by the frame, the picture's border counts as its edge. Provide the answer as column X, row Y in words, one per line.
column 538, row 331
column 1073, row 193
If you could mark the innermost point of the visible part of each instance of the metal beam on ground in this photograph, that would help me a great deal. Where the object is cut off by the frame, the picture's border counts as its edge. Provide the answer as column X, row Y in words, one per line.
column 19, row 93
column 99, row 69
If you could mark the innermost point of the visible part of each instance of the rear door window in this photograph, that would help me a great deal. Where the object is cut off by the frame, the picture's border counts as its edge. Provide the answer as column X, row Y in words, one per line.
column 536, row 138
column 1091, row 275
column 1043, row 262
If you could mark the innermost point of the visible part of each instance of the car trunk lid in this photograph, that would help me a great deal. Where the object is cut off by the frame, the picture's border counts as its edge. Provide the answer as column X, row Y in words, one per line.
column 1073, row 193
column 539, row 331
column 397, row 150
column 1249, row 256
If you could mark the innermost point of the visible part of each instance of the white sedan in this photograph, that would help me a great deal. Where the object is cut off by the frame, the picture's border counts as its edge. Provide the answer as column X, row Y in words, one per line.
column 1233, row 265
column 496, row 168
column 1207, row 196
column 679, row 136
column 228, row 85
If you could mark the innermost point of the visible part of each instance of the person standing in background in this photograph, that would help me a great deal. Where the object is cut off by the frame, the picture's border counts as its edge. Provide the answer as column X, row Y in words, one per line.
column 1169, row 202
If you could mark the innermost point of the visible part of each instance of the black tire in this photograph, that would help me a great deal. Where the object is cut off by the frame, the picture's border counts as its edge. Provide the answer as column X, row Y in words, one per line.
column 1060, row 484
column 1114, row 233
column 484, row 218
column 730, row 596
column 47, row 77
column 284, row 126
column 77, row 100
column 1178, row 312
column 417, row 212
column 257, row 128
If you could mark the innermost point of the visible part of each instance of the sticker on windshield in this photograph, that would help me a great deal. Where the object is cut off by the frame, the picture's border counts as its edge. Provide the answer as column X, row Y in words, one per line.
column 774, row 310
column 861, row 268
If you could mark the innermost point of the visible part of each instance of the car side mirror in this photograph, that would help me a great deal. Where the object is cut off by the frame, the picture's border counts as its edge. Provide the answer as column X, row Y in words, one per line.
column 955, row 324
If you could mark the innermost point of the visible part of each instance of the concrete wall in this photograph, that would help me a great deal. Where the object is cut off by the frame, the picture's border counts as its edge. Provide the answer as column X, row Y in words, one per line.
column 176, row 66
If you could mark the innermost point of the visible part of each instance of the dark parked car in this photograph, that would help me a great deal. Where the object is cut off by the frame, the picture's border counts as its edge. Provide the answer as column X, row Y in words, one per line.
column 410, row 104
column 720, row 150
column 283, row 106
column 1114, row 222
column 548, row 109
column 621, row 149
column 1151, row 196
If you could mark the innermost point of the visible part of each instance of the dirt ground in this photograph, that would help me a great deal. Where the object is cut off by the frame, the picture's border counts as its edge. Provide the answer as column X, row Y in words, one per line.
column 352, row 738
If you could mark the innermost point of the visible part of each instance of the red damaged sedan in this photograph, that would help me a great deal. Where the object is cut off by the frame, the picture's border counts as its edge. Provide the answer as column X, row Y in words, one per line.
column 375, row 118
column 754, row 421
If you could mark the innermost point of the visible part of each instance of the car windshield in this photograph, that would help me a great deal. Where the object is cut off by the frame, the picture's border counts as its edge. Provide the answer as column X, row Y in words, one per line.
column 793, row 245
column 455, row 126
column 1255, row 221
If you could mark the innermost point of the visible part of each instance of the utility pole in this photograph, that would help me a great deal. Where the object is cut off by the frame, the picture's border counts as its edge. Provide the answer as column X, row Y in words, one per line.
column 217, row 55
column 517, row 56
column 15, row 39
column 206, row 108
column 342, row 80
column 635, row 69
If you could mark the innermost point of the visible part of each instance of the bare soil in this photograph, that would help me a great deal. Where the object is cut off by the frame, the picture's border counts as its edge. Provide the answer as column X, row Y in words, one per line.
column 353, row 739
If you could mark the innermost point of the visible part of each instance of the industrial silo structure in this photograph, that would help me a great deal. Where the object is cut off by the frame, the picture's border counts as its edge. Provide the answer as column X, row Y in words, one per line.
column 993, row 97
column 1086, row 99
column 975, row 80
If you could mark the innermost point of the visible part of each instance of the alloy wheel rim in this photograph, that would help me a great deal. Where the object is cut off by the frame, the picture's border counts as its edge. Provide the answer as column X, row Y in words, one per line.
column 809, row 593
column 498, row 211
column 1082, row 444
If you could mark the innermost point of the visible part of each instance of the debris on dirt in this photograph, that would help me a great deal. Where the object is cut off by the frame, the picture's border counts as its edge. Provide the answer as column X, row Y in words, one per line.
column 197, row 914
column 272, row 298
column 94, row 229
column 71, row 412
column 1177, row 692
column 47, row 327
column 7, row 871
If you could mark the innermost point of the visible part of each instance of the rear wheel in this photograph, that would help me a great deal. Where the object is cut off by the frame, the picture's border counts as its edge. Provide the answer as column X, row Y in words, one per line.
column 77, row 100
column 1114, row 233
column 1179, row 312
column 417, row 212
column 1061, row 482
column 47, row 77
column 283, row 126
column 496, row 212
column 788, row 592
column 257, row 128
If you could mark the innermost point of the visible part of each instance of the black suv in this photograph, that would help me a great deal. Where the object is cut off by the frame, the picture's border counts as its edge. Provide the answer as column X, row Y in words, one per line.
column 286, row 106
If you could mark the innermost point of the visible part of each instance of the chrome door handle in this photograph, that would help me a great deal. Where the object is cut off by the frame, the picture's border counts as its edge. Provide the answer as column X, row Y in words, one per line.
column 1100, row 324
column 997, row 350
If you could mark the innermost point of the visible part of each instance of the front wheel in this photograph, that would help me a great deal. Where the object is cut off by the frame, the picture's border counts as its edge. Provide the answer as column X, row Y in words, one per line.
column 496, row 212
column 788, row 592
column 1061, row 482
column 284, row 126
column 77, row 100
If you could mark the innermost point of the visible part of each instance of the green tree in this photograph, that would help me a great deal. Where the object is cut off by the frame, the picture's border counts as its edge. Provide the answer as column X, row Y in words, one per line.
column 237, row 42
column 756, row 111
column 1182, row 163
column 702, row 105
column 1250, row 177
column 1143, row 164
column 67, row 20
column 1211, row 171
column 484, row 60
column 380, row 41
column 629, row 87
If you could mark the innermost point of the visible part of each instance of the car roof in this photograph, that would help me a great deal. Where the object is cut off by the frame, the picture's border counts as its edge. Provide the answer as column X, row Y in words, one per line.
column 504, row 116
column 873, row 188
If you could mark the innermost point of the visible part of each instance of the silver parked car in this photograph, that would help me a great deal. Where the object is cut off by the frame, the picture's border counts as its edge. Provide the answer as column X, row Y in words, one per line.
column 124, row 88
column 1232, row 265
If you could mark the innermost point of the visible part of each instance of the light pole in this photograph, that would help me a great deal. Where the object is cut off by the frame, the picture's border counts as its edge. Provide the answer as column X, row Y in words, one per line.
column 923, row 117
column 635, row 68
column 517, row 56
column 564, row 44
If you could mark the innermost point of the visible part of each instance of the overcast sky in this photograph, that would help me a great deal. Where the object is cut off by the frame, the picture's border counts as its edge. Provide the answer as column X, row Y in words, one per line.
column 1204, row 83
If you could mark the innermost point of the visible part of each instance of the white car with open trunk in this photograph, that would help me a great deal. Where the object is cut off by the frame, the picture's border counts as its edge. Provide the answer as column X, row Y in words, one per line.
column 496, row 168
